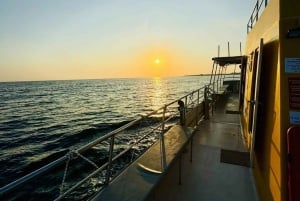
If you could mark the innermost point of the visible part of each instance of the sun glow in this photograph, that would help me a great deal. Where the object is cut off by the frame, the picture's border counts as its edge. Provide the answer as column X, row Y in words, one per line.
column 157, row 61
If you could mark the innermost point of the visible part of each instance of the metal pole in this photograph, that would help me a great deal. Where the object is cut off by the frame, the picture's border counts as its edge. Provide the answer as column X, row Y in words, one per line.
column 215, row 77
column 111, row 149
column 212, row 72
column 233, row 76
column 240, row 49
column 206, row 103
column 218, row 78
column 256, row 10
column 228, row 49
column 222, row 78
column 225, row 73
column 162, row 141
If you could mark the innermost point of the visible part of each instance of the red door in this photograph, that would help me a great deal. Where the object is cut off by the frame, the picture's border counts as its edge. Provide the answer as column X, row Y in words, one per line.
column 293, row 143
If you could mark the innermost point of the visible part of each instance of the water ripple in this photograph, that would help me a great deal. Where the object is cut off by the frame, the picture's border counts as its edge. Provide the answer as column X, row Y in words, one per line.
column 40, row 121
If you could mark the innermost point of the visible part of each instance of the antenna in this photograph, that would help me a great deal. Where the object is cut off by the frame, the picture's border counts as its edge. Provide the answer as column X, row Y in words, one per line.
column 228, row 50
column 240, row 48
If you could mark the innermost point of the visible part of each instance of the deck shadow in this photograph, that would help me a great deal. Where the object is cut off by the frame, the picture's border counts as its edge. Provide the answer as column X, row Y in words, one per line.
column 232, row 112
column 235, row 157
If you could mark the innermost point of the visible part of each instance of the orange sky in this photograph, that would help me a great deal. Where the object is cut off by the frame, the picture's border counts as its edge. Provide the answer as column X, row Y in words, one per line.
column 56, row 40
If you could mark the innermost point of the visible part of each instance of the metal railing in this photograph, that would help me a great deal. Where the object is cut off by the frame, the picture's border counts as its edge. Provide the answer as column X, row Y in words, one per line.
column 147, row 129
column 222, row 77
column 256, row 13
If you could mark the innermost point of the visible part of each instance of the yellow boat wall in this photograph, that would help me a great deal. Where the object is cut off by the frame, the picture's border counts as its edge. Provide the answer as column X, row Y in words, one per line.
column 273, row 117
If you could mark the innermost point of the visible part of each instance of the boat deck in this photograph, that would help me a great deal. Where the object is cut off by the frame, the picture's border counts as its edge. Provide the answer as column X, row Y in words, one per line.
column 220, row 167
column 219, row 170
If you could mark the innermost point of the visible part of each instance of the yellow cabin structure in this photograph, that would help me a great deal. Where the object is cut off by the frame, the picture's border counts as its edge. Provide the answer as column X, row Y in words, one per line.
column 270, row 80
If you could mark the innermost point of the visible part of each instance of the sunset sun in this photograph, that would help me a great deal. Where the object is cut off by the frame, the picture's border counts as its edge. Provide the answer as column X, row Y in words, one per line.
column 157, row 61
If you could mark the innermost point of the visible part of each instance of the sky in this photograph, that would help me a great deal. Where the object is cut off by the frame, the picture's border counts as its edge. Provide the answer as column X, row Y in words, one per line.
column 77, row 39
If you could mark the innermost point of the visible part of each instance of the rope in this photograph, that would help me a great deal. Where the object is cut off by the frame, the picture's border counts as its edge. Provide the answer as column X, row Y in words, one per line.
column 87, row 160
column 72, row 154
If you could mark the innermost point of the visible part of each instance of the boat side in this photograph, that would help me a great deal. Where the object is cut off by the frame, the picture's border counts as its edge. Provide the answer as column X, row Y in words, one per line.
column 269, row 105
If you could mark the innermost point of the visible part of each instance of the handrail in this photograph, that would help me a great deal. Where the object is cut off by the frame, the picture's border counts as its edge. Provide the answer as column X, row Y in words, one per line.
column 63, row 159
column 255, row 13
column 194, row 97
column 30, row 176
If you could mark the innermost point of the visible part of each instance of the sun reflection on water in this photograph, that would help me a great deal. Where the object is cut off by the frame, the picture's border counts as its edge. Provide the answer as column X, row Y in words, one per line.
column 159, row 95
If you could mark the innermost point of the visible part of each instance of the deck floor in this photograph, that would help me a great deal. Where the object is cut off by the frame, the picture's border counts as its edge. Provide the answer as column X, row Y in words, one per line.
column 207, row 178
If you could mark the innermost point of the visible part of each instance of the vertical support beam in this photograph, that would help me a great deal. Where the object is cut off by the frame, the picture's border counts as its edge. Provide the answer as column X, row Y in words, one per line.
column 111, row 149
column 225, row 71
column 256, row 94
column 222, row 76
column 212, row 72
column 228, row 49
column 218, row 78
column 240, row 49
column 162, row 141
column 257, row 7
column 206, row 103
column 233, row 75
column 215, row 73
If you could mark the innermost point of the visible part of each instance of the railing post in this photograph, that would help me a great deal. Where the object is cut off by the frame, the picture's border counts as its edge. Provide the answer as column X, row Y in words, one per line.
column 111, row 148
column 212, row 72
column 218, row 79
column 162, row 141
column 222, row 77
column 206, row 103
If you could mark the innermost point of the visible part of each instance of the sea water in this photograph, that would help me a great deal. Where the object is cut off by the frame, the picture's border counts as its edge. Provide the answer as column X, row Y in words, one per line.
column 42, row 118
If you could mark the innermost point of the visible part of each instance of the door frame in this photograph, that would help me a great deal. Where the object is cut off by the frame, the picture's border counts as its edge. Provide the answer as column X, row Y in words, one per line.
column 255, row 100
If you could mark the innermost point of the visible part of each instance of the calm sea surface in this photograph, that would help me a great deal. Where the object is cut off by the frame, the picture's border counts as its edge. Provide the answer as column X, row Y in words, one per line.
column 43, row 118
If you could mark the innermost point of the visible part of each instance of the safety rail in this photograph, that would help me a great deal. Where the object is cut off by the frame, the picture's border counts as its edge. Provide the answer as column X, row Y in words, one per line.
column 220, row 79
column 146, row 129
column 256, row 13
